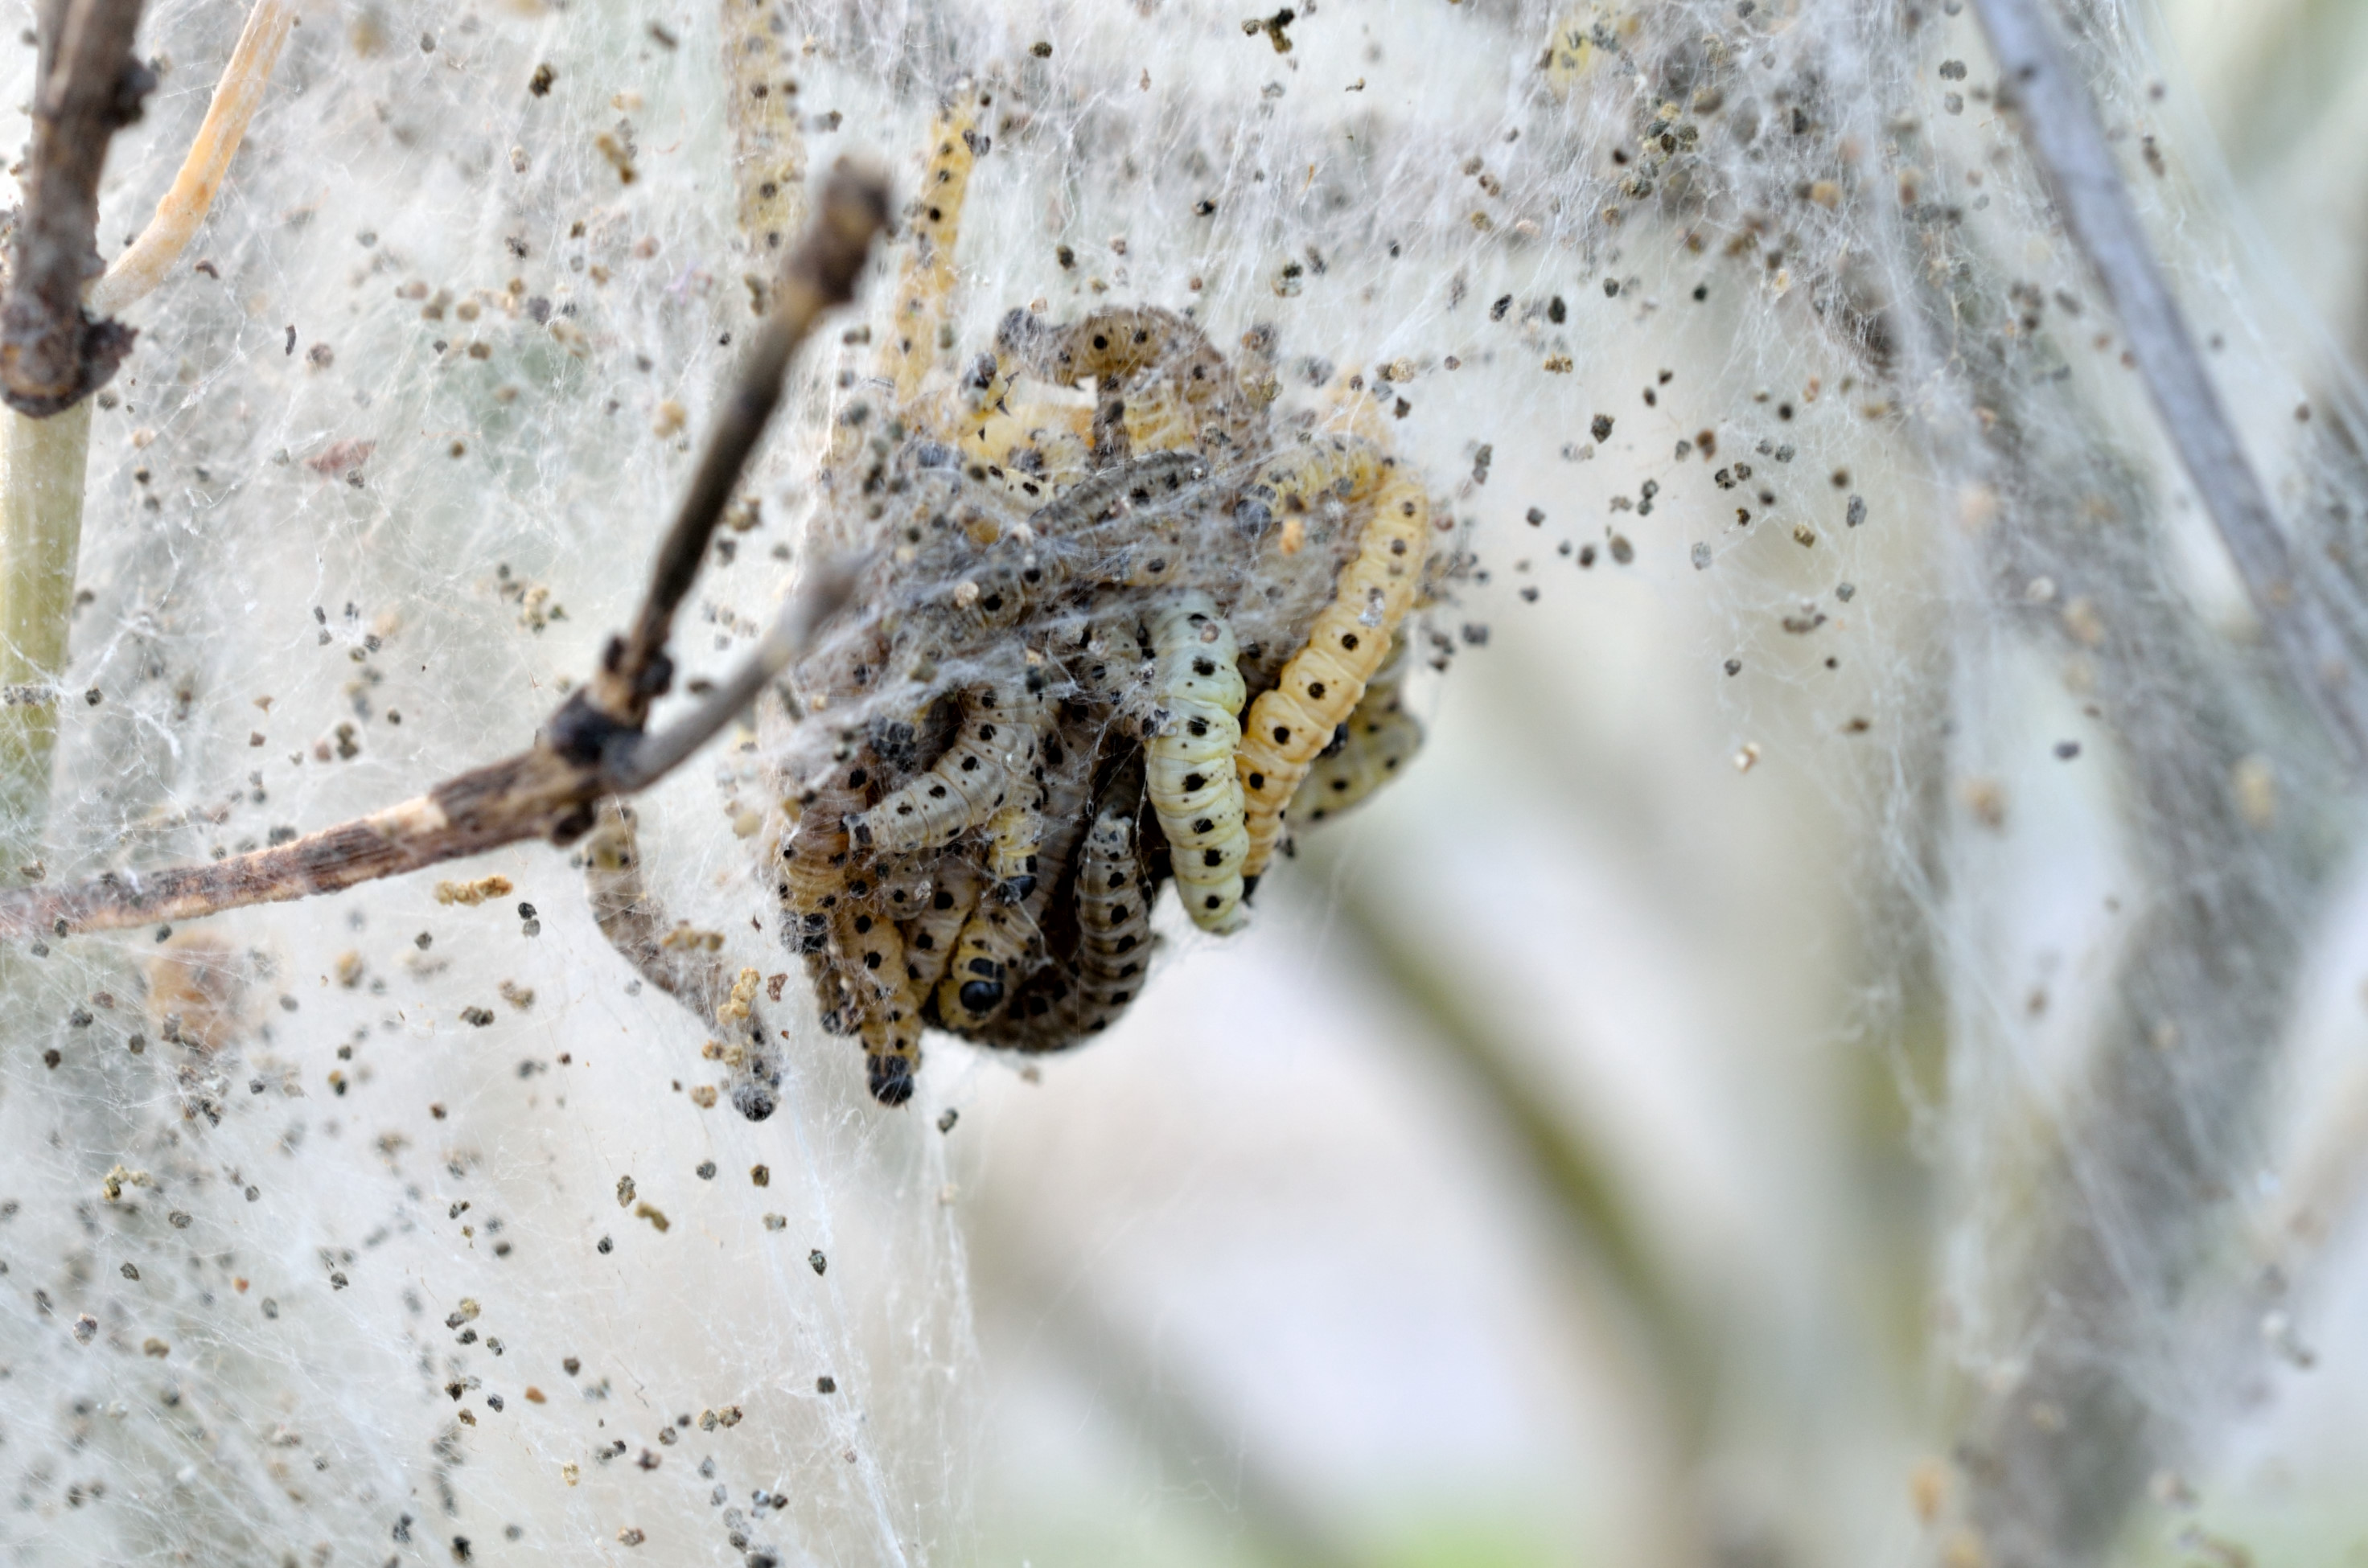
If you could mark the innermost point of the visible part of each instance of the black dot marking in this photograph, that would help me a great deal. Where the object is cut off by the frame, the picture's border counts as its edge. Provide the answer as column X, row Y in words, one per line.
column 1316, row 689
column 1193, row 781
column 862, row 925
column 1204, row 667
column 1213, row 857
column 871, row 960
column 1196, row 726
column 980, row 996
column 1258, row 780
column 1281, row 734
column 941, row 900
column 1204, row 824
column 1348, row 640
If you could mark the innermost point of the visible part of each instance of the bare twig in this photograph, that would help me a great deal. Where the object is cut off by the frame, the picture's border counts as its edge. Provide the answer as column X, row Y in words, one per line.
column 829, row 584
column 53, row 352
column 587, row 751
column 237, row 96
column 635, row 669
column 2060, row 121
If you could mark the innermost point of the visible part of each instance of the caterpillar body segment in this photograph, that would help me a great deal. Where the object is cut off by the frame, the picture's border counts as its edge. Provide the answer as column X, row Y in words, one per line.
column 925, row 288
column 930, row 933
column 1189, row 766
column 993, row 755
column 1366, row 752
column 990, row 959
column 1113, row 924
column 879, row 999
column 1322, row 683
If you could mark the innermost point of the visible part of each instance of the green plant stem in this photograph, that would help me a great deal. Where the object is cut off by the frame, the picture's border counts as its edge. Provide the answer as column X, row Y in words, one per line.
column 41, row 468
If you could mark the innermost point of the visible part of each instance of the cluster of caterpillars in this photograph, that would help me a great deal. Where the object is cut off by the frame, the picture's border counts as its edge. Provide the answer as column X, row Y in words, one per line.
column 1115, row 624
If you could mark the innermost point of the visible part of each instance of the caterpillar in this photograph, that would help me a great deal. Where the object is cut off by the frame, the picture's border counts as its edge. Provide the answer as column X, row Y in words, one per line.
column 1174, row 389
column 880, row 998
column 993, row 749
column 1289, row 724
column 1367, row 751
column 1113, row 923
column 929, row 277
column 1189, row 773
column 814, row 858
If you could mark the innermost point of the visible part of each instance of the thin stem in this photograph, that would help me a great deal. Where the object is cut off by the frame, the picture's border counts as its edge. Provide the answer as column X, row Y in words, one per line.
column 237, row 96
column 829, row 588
column 42, row 466
column 2059, row 122
column 821, row 274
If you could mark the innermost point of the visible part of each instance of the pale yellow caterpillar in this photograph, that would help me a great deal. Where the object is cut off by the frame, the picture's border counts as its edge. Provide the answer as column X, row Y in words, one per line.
column 1368, row 750
column 1189, row 772
column 1288, row 725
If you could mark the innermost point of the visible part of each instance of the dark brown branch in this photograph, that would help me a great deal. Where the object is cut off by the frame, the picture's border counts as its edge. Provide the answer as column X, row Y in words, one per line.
column 636, row 670
column 828, row 586
column 585, row 754
column 2059, row 122
column 53, row 353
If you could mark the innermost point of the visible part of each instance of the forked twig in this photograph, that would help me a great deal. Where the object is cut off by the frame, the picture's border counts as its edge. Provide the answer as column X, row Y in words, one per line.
column 53, row 352
column 2060, row 121
column 595, row 746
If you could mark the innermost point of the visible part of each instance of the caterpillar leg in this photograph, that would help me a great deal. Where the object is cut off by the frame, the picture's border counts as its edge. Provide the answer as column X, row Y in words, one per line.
column 1368, row 750
column 1189, row 773
column 1113, row 901
column 1321, row 684
column 993, row 756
